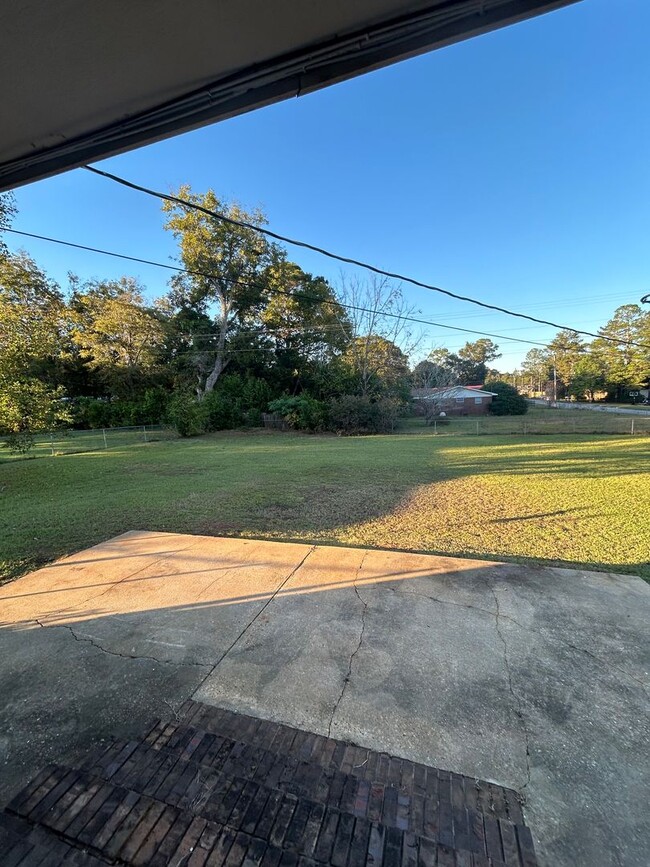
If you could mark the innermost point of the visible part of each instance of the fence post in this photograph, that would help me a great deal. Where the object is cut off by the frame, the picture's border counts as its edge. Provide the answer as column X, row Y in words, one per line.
column 477, row 431
column 632, row 427
column 144, row 431
column 104, row 433
column 435, row 427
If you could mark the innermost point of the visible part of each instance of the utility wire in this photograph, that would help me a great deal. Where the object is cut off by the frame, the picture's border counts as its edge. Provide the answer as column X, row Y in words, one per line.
column 276, row 291
column 306, row 296
column 349, row 261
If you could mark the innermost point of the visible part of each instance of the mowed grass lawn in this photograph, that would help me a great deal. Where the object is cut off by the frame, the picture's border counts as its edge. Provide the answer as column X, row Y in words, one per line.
column 566, row 500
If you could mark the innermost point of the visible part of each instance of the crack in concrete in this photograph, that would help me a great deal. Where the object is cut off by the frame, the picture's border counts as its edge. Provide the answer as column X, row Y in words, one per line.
column 347, row 677
column 542, row 633
column 259, row 613
column 519, row 708
column 93, row 643
column 210, row 665
column 148, row 565
column 489, row 611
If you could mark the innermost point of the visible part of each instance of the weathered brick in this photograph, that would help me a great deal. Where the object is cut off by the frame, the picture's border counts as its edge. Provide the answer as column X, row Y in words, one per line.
column 155, row 837
column 312, row 829
column 526, row 848
column 325, row 842
column 126, row 827
column 34, row 792
column 171, row 839
column 122, row 809
column 282, row 820
column 141, row 831
column 88, row 812
column 492, row 838
column 342, row 840
column 221, row 848
column 376, row 842
column 243, row 803
column 393, row 848
column 188, row 841
column 268, row 815
column 237, row 850
column 359, row 843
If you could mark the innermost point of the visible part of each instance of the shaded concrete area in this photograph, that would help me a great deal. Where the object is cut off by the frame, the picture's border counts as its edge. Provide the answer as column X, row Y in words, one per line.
column 533, row 677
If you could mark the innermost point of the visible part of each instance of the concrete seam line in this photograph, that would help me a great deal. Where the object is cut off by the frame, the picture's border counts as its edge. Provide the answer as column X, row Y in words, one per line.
column 347, row 677
column 519, row 709
column 259, row 613
column 93, row 643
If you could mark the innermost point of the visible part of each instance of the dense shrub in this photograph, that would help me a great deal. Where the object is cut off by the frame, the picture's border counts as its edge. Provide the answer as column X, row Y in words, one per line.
column 301, row 412
column 221, row 411
column 508, row 401
column 94, row 412
column 237, row 401
column 358, row 415
column 186, row 413
column 28, row 407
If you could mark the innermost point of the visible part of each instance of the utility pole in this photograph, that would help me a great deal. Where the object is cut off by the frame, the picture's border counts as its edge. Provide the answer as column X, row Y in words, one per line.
column 554, row 383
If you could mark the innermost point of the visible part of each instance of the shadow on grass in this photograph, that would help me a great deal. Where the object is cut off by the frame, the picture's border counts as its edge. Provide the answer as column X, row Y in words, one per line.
column 309, row 488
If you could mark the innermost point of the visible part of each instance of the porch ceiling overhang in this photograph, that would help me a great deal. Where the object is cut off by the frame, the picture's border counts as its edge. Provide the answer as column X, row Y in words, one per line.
column 81, row 80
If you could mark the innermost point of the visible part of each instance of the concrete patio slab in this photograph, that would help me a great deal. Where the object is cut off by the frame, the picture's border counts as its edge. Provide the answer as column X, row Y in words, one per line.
column 533, row 677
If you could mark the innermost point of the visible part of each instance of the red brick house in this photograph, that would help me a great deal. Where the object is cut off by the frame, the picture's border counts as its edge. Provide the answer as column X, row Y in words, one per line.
column 455, row 399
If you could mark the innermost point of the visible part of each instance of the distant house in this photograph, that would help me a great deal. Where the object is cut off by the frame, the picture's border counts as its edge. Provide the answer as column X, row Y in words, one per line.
column 455, row 399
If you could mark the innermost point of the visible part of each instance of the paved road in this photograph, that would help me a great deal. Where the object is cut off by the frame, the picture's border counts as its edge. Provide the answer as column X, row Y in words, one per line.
column 594, row 407
column 532, row 677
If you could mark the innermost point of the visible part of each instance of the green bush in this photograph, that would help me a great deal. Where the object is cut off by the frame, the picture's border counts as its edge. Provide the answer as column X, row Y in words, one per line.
column 187, row 414
column 301, row 412
column 236, row 401
column 221, row 411
column 350, row 414
column 508, row 401
column 94, row 412
column 28, row 407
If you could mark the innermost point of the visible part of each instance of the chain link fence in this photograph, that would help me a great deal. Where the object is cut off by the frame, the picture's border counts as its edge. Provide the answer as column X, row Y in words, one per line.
column 534, row 424
column 68, row 442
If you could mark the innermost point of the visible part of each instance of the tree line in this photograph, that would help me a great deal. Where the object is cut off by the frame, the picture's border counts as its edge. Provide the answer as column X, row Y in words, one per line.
column 570, row 367
column 242, row 331
column 614, row 369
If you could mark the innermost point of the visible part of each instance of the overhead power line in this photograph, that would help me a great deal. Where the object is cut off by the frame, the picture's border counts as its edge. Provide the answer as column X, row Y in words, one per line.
column 345, row 259
column 275, row 291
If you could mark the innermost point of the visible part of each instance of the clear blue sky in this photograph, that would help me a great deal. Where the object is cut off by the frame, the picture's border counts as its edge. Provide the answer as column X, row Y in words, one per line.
column 513, row 167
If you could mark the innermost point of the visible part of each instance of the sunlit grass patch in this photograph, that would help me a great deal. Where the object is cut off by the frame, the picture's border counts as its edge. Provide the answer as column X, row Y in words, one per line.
column 567, row 500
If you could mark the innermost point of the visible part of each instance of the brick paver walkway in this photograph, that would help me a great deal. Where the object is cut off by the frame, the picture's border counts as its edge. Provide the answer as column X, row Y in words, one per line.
column 214, row 787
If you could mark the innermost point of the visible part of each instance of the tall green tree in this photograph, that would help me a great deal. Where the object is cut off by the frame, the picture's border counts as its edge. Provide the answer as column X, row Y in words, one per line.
column 378, row 366
column 118, row 335
column 536, row 369
column 32, row 338
column 32, row 316
column 589, row 377
column 302, row 326
column 628, row 366
column 565, row 351
column 227, row 263
column 7, row 213
column 470, row 365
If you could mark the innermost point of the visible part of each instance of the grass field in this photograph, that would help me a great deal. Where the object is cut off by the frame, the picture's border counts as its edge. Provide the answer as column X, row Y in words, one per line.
column 566, row 500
